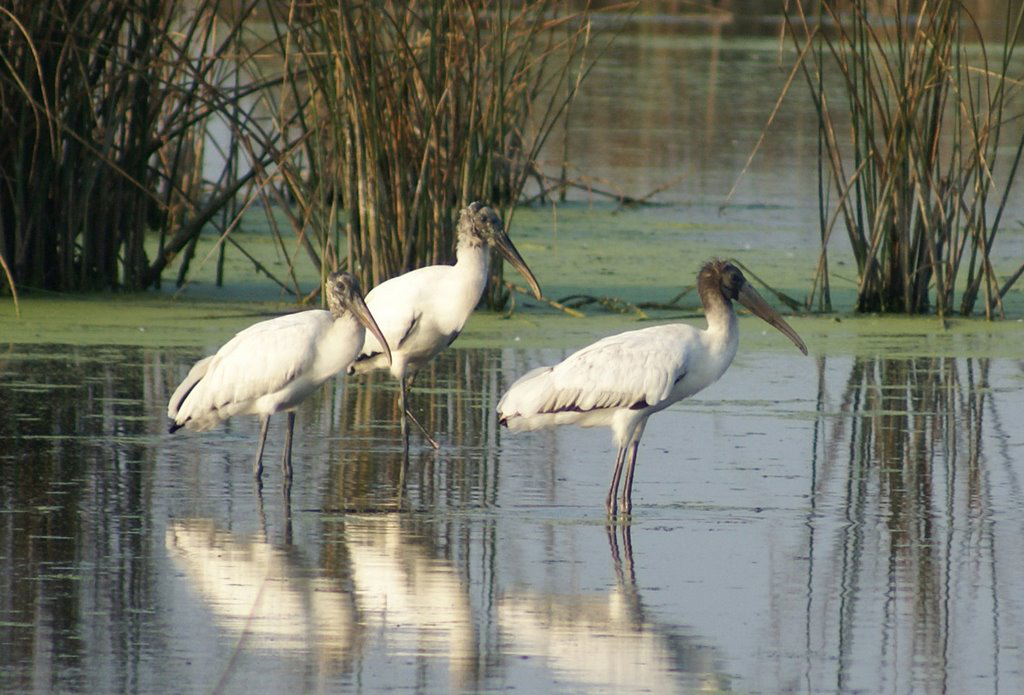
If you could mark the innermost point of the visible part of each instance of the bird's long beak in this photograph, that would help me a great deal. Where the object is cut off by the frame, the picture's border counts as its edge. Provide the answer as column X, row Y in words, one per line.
column 749, row 298
column 362, row 313
column 508, row 250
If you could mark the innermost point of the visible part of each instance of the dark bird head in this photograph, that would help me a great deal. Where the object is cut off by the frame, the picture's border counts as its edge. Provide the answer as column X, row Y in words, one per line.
column 723, row 278
column 479, row 223
column 344, row 296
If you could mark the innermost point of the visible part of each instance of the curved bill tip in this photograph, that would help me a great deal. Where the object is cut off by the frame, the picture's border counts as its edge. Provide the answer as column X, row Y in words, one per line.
column 511, row 254
column 749, row 298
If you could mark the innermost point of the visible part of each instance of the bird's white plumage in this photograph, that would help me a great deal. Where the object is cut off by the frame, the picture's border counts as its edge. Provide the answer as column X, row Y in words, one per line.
column 619, row 379
column 422, row 311
column 268, row 367
column 273, row 365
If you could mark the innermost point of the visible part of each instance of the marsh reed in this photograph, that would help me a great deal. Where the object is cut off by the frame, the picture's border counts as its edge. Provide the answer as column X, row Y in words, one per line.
column 916, row 159
column 360, row 129
column 416, row 109
column 104, row 109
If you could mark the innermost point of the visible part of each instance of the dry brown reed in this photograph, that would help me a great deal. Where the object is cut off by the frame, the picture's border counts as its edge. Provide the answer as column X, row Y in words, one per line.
column 102, row 125
column 414, row 110
column 916, row 161
column 128, row 128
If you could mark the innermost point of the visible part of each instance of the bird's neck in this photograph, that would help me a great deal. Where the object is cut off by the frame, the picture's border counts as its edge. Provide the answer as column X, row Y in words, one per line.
column 472, row 255
column 343, row 321
column 721, row 318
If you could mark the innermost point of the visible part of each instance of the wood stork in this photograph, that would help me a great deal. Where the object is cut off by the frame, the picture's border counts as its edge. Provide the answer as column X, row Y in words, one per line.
column 423, row 311
column 621, row 380
column 273, row 365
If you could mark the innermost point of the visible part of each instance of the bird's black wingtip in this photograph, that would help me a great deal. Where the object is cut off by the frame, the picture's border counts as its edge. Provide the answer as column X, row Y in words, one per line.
column 174, row 427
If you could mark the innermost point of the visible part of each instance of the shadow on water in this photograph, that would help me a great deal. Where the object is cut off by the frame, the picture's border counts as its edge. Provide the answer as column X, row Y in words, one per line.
column 884, row 561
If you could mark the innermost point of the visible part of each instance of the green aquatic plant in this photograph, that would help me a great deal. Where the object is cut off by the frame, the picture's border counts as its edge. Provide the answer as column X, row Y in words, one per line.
column 916, row 161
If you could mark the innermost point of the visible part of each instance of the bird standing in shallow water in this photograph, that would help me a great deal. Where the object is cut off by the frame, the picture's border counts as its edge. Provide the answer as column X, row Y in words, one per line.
column 423, row 311
column 621, row 380
column 273, row 365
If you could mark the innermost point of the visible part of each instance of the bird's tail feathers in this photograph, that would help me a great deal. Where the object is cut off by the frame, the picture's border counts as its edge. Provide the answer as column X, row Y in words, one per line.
column 367, row 362
column 185, row 388
column 526, row 396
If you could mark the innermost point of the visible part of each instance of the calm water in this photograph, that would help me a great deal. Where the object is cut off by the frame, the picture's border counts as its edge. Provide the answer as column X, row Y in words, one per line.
column 860, row 530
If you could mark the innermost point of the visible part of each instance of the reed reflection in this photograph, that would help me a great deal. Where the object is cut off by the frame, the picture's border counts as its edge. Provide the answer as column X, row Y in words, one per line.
column 454, row 399
column 902, row 563
column 76, row 509
column 607, row 641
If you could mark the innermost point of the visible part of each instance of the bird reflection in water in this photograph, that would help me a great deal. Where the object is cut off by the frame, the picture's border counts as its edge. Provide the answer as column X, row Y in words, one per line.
column 378, row 591
column 607, row 642
column 267, row 597
column 409, row 597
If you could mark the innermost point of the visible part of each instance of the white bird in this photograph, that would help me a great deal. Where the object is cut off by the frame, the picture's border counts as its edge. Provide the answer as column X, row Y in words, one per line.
column 423, row 311
column 273, row 365
column 621, row 380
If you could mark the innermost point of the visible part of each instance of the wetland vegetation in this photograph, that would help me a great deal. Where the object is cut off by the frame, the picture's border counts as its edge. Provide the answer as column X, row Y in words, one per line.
column 917, row 154
column 131, row 128
column 350, row 137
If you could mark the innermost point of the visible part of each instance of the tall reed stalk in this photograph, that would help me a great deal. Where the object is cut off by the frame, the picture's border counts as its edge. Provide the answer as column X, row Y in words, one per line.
column 103, row 105
column 413, row 110
column 916, row 161
column 361, row 128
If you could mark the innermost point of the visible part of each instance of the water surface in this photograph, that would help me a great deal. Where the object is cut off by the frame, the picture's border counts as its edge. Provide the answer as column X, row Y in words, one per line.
column 856, row 529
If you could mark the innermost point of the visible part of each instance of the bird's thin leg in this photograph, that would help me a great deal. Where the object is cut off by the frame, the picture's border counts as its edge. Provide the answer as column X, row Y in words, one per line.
column 405, row 415
column 286, row 488
column 407, row 385
column 257, row 466
column 627, row 488
column 422, row 429
column 286, row 460
column 609, row 501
